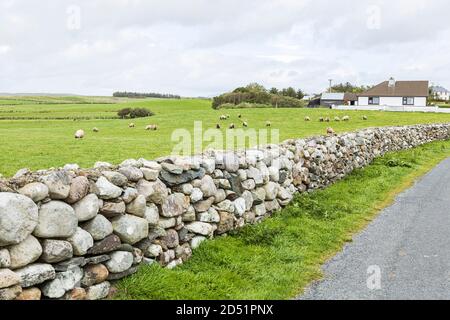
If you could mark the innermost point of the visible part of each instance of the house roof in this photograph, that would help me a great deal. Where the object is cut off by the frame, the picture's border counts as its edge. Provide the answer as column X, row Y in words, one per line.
column 348, row 96
column 439, row 89
column 400, row 89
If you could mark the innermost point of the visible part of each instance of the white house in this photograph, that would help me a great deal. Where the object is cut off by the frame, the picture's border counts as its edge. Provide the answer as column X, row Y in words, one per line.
column 396, row 94
column 440, row 93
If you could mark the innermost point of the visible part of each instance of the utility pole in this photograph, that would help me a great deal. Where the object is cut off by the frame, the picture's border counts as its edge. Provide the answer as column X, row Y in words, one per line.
column 331, row 81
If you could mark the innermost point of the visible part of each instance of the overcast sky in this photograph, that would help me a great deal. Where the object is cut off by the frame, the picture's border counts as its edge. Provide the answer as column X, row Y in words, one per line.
column 205, row 47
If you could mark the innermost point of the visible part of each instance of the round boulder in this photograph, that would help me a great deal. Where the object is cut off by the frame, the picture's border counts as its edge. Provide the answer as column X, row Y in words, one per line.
column 25, row 252
column 18, row 218
column 56, row 220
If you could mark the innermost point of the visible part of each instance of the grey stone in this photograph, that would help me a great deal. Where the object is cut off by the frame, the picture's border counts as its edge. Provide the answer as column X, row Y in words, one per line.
column 19, row 217
column 69, row 264
column 131, row 163
column 98, row 291
column 220, row 196
column 8, row 278
column 152, row 214
column 34, row 274
column 58, row 184
column 155, row 192
column 211, row 216
column 248, row 197
column 36, row 191
column 202, row 228
column 260, row 209
column 186, row 188
column 255, row 174
column 130, row 228
column 150, row 174
column 5, row 258
column 102, row 165
column 79, row 188
column 64, row 281
column 226, row 222
column 120, row 261
column 113, row 209
column 56, row 220
column 239, row 206
column 207, row 186
column 167, row 223
column 10, row 293
column 137, row 206
column 109, row 244
column 196, row 195
column 107, row 190
column 189, row 215
column 97, row 259
column 172, row 168
column 99, row 227
column 120, row 275
column 129, row 195
column 54, row 251
column 87, row 208
column 226, row 206
column 271, row 189
column 203, row 206
column 24, row 253
column 171, row 239
column 176, row 179
column 132, row 173
column 81, row 242
column 116, row 178
column 173, row 206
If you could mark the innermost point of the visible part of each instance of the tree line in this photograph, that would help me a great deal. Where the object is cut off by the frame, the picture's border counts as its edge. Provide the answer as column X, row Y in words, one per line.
column 126, row 94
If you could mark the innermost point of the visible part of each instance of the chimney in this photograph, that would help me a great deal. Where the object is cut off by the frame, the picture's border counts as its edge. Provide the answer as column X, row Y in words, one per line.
column 391, row 83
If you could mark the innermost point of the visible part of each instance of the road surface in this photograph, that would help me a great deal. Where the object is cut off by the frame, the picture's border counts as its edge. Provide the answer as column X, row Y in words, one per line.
column 403, row 254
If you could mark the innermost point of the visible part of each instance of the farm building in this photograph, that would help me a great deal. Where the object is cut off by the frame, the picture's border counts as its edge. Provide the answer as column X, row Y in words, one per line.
column 335, row 98
column 396, row 94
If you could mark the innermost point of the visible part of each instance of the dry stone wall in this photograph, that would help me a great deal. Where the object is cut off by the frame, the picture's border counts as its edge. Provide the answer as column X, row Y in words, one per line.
column 68, row 233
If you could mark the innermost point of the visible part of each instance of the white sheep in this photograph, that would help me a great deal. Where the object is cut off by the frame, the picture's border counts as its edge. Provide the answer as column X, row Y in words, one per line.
column 345, row 118
column 79, row 134
column 153, row 127
column 131, row 125
column 95, row 129
column 307, row 119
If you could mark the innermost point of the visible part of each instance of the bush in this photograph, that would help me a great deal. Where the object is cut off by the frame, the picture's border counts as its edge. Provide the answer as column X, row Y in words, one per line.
column 123, row 113
column 134, row 113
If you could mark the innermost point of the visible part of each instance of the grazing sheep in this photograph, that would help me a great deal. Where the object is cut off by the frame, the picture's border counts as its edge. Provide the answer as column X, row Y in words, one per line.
column 345, row 118
column 321, row 119
column 152, row 127
column 217, row 126
column 79, row 134
column 364, row 117
column 232, row 126
column 307, row 119
column 268, row 124
column 330, row 131
column 245, row 124
column 240, row 116
column 95, row 129
column 326, row 119
column 131, row 125
column 223, row 117
column 337, row 119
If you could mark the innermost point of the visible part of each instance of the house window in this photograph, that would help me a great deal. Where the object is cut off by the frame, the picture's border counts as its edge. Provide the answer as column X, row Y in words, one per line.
column 374, row 100
column 408, row 101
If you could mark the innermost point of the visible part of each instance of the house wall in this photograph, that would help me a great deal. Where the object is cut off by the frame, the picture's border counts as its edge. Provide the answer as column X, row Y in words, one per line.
column 443, row 96
column 393, row 101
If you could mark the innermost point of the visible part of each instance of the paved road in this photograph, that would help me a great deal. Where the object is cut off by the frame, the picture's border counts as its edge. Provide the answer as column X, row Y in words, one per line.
column 403, row 254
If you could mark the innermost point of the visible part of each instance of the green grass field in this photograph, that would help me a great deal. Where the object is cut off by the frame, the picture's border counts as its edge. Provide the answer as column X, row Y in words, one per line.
column 38, row 132
column 278, row 258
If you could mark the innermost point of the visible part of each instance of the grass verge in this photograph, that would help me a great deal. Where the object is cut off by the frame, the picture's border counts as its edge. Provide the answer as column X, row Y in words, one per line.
column 278, row 258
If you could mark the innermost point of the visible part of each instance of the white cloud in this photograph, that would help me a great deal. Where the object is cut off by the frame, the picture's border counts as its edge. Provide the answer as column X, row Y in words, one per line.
column 202, row 47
